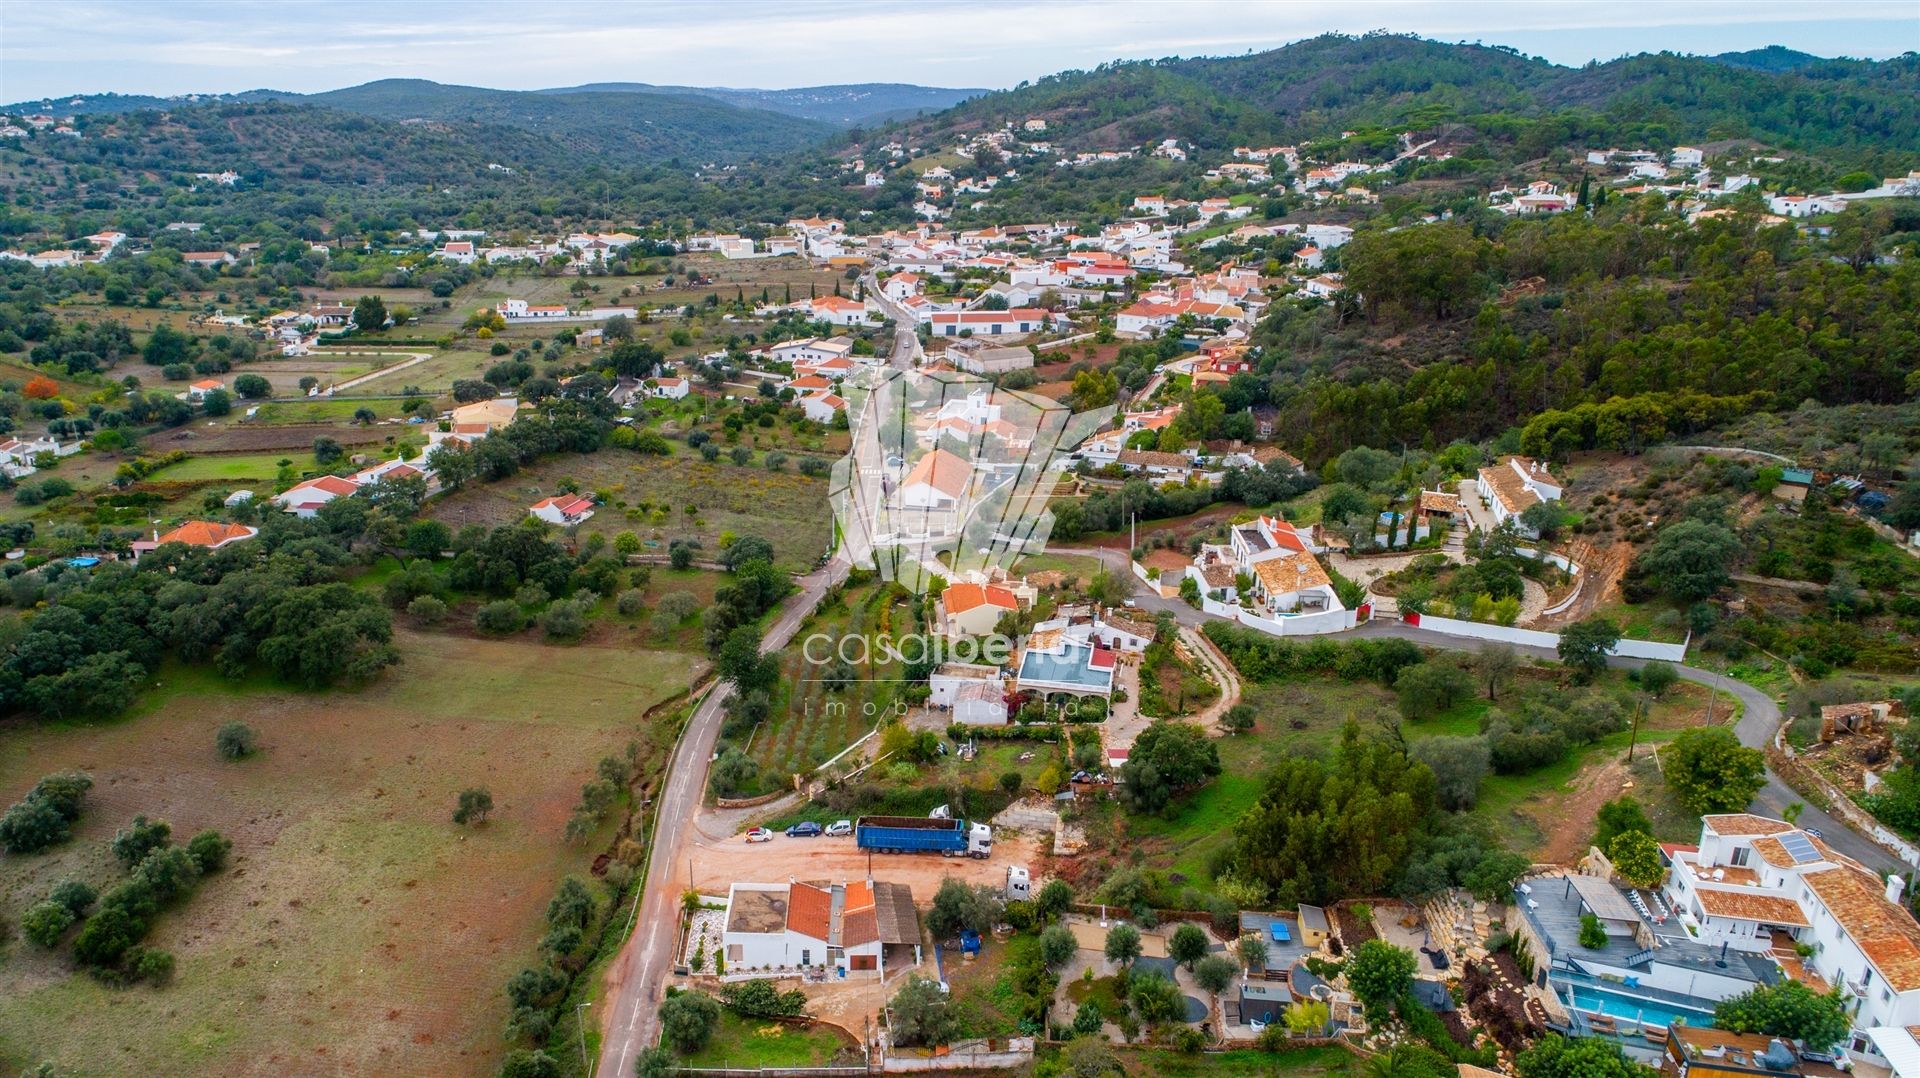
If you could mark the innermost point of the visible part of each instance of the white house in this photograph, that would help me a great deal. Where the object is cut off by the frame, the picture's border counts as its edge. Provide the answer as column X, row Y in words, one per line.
column 974, row 609
column 519, row 310
column 305, row 499
column 462, row 252
column 988, row 323
column 821, row 407
column 1760, row 885
column 938, row 481
column 839, row 311
column 1515, row 484
column 669, row 388
column 197, row 392
column 845, row 927
column 565, row 510
column 901, row 285
column 1687, row 157
column 974, row 692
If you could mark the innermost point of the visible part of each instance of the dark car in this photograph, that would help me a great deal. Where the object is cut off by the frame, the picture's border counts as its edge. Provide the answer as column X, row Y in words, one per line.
column 804, row 829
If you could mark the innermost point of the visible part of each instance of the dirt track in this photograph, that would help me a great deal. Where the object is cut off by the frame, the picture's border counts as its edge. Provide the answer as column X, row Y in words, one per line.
column 717, row 864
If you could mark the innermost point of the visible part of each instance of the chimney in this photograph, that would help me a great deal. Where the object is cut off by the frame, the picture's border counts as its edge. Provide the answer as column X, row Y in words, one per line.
column 1896, row 884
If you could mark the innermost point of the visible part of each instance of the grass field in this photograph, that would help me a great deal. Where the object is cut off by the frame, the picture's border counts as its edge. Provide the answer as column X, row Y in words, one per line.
column 810, row 722
column 745, row 1042
column 255, row 466
column 650, row 497
column 357, row 930
column 1330, row 1062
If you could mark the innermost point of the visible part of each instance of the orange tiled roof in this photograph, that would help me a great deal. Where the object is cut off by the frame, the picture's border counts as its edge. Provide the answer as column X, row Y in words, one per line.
column 962, row 597
column 810, row 911
column 942, row 471
column 1294, row 572
column 206, row 533
column 1770, row 908
column 1885, row 933
column 1745, row 823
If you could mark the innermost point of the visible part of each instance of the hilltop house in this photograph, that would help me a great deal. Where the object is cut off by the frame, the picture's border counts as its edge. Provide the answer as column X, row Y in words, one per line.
column 206, row 534
column 974, row 609
column 1514, row 485
column 305, row 499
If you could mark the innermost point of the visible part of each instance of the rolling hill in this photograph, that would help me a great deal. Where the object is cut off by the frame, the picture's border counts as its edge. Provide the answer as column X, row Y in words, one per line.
column 1328, row 84
column 840, row 105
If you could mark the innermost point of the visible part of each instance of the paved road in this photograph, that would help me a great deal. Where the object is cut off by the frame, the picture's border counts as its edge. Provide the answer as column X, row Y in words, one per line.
column 1759, row 716
column 906, row 340
column 638, row 977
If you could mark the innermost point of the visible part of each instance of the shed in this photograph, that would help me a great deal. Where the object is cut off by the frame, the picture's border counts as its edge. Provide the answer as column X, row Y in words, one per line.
column 1263, row 1001
column 1313, row 926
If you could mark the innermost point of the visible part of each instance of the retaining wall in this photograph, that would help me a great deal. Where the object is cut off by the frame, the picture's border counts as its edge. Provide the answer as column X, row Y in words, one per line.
column 1535, row 638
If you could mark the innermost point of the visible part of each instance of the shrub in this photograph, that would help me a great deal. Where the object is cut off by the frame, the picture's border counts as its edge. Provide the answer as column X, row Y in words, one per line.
column 630, row 602
column 235, row 740
column 428, row 610
column 501, row 616
column 687, row 1020
column 45, row 922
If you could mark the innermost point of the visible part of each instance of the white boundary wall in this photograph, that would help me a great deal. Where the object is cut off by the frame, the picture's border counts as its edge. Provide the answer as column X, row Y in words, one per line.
column 1534, row 638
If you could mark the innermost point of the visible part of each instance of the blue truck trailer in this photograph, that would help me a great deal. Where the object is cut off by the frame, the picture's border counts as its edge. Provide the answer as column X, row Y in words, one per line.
column 915, row 834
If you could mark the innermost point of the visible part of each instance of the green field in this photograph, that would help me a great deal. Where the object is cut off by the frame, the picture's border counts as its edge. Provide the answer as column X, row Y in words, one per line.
column 253, row 466
column 750, row 1042
column 356, row 928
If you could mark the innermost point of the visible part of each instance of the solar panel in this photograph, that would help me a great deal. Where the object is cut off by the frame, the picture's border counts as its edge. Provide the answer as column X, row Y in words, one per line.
column 1799, row 847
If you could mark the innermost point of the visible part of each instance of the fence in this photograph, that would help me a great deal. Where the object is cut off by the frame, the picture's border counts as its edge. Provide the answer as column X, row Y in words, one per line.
column 1534, row 638
column 1329, row 621
column 977, row 1055
column 1063, row 342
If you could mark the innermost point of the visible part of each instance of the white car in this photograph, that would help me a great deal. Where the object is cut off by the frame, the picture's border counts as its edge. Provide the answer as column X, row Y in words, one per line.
column 840, row 829
column 760, row 834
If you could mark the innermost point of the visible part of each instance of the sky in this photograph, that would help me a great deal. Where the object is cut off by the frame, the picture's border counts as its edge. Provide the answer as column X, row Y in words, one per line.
column 166, row 47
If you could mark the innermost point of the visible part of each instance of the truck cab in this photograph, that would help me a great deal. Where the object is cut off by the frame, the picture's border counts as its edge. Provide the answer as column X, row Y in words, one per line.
column 980, row 841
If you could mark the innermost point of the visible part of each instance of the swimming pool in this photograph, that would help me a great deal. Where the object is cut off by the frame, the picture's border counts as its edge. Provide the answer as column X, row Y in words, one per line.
column 1635, row 1009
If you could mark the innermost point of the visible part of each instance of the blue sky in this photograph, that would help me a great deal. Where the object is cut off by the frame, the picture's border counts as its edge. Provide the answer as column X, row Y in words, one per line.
column 183, row 46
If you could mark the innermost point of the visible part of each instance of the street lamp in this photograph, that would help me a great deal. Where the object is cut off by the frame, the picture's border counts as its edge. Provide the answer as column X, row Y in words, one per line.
column 580, row 1023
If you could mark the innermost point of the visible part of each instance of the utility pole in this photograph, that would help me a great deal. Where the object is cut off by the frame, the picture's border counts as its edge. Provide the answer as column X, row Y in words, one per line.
column 580, row 1024
column 1639, row 706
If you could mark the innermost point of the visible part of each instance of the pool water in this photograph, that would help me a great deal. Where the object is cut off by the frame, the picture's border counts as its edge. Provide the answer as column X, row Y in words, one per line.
column 1634, row 1009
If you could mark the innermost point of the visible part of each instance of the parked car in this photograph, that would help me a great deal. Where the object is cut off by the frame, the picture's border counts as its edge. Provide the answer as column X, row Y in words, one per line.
column 760, row 834
column 804, row 829
column 840, row 829
column 1815, row 832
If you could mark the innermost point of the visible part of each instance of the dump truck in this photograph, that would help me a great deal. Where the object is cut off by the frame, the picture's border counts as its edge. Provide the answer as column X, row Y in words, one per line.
column 914, row 834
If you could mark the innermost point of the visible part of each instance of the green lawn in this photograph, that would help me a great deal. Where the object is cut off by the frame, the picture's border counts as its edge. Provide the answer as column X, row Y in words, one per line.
column 331, row 409
column 1327, row 1062
column 258, row 466
column 752, row 1042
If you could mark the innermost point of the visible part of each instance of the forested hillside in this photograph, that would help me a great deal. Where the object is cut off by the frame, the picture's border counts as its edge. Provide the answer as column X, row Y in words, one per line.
column 1313, row 88
column 1640, row 328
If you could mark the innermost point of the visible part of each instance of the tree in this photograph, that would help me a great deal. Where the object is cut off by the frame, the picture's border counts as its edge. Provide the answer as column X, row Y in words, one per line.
column 1088, row 1019
column 758, row 998
column 1252, row 951
column 1057, row 946
column 1636, row 857
column 1788, row 1009
column 1087, row 1055
column 132, row 844
column 687, row 1020
column 733, row 773
column 1308, row 1017
column 655, row 1063
column 1123, row 944
column 1214, row 973
column 428, row 538
column 235, row 740
column 326, row 451
column 1433, row 270
column 1167, row 758
column 1690, row 559
column 369, row 314
column 1619, row 816
column 365, row 416
column 1554, row 1056
column 217, row 402
column 1429, row 688
column 1155, row 998
column 1593, row 934
column 1657, row 678
column 524, row 1063
column 1188, row 944
column 1054, row 898
column 1458, row 765
column 959, row 908
column 1380, row 973
column 253, row 387
column 45, row 922
column 1584, row 646
column 1711, row 771
column 918, row 1014
column 1239, row 718
column 474, row 805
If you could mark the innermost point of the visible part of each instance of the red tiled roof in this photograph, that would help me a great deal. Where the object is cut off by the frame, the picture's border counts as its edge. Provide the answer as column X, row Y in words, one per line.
column 331, row 484
column 810, row 911
column 959, row 598
column 942, row 471
column 206, row 533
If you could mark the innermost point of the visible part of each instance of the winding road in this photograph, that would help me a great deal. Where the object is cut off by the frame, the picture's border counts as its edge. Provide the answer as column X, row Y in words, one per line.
column 637, row 979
